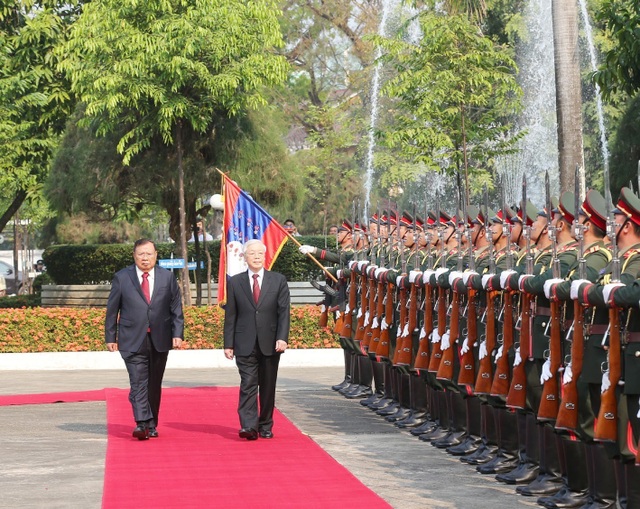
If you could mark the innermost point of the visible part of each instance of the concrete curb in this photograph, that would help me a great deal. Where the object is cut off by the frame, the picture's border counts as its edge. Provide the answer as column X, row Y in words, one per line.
column 178, row 359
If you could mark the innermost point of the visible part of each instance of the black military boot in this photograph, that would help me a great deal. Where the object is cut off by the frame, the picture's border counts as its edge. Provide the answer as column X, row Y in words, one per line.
column 632, row 479
column 458, row 421
column 527, row 469
column 601, row 477
column 472, row 439
column 575, row 492
column 347, row 368
column 417, row 401
column 548, row 480
column 506, row 456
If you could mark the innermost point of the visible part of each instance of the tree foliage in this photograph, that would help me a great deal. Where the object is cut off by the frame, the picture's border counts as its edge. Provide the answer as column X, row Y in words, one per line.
column 456, row 96
column 621, row 68
column 34, row 98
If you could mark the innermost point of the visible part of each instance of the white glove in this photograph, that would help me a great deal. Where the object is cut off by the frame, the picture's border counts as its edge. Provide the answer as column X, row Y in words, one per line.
column 522, row 279
column 567, row 375
column 465, row 346
column 427, row 276
column 606, row 383
column 338, row 313
column 347, row 309
column 546, row 371
column 485, row 280
column 482, row 351
column 453, row 275
column 405, row 331
column 306, row 249
column 375, row 323
column 638, row 414
column 399, row 332
column 499, row 352
column 441, row 271
column 362, row 263
column 444, row 344
column 504, row 275
column 548, row 284
column 517, row 360
column 608, row 288
column 384, row 325
column 423, row 333
column 352, row 264
column 339, row 273
column 413, row 275
column 467, row 275
column 575, row 287
column 435, row 337
column 366, row 319
column 379, row 271
column 359, row 312
column 323, row 308
column 399, row 280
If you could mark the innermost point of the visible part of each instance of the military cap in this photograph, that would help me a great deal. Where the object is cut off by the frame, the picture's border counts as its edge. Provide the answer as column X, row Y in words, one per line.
column 496, row 217
column 374, row 218
column 406, row 219
column 511, row 214
column 345, row 226
column 554, row 204
column 628, row 205
column 478, row 217
column 566, row 206
column 595, row 209
column 531, row 213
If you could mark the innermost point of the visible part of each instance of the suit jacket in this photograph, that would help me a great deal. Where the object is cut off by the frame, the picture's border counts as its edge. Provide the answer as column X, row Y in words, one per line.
column 267, row 321
column 129, row 316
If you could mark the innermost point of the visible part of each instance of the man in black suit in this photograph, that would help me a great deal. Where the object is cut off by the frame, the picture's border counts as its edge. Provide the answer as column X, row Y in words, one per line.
column 144, row 321
column 256, row 331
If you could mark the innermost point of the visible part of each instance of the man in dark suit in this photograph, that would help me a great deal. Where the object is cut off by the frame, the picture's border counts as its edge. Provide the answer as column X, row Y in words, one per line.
column 256, row 331
column 144, row 321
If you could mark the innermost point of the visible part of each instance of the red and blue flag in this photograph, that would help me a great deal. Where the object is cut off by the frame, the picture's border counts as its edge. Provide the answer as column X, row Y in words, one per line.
column 244, row 220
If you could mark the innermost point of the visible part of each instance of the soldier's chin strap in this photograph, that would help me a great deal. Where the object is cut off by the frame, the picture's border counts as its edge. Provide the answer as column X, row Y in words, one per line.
column 626, row 220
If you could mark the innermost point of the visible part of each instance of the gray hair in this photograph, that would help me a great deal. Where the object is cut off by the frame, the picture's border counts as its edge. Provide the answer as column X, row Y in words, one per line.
column 253, row 242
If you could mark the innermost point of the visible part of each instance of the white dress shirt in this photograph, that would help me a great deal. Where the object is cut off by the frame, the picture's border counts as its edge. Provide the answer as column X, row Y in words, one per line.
column 150, row 278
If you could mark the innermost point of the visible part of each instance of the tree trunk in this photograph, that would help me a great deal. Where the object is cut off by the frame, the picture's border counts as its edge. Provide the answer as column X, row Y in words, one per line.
column 568, row 90
column 186, row 290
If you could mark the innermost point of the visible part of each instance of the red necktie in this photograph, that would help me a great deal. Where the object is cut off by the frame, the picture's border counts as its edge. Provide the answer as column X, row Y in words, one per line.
column 145, row 286
column 256, row 288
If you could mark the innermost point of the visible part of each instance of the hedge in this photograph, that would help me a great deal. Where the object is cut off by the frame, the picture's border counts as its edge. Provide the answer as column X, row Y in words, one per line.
column 80, row 330
column 96, row 264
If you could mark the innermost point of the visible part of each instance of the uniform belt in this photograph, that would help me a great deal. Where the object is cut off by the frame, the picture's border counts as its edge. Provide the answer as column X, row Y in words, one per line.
column 597, row 328
column 632, row 337
column 540, row 311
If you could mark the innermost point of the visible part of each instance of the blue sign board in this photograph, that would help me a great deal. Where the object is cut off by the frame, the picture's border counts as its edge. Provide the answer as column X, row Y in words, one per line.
column 178, row 263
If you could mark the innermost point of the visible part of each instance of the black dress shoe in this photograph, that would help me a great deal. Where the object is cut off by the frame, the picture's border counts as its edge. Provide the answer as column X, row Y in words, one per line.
column 524, row 473
column 450, row 439
column 436, row 434
column 469, row 445
column 426, row 427
column 398, row 415
column 265, row 433
column 564, row 498
column 413, row 420
column 141, row 432
column 483, row 454
column 362, row 392
column 544, row 484
column 248, row 433
column 374, row 398
column 341, row 385
column 501, row 463
column 153, row 432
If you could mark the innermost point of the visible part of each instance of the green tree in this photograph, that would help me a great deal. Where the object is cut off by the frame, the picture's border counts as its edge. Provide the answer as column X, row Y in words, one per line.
column 456, row 93
column 621, row 68
column 168, row 68
column 34, row 98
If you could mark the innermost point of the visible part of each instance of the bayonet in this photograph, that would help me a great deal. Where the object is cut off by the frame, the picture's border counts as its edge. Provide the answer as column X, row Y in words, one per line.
column 506, row 227
column 555, row 262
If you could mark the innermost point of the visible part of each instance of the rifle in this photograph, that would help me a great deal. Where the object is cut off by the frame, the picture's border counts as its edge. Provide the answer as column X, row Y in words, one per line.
column 422, row 356
column 405, row 355
column 436, row 352
column 549, row 402
column 445, row 369
column 568, row 413
column 517, row 396
column 606, row 427
column 370, row 310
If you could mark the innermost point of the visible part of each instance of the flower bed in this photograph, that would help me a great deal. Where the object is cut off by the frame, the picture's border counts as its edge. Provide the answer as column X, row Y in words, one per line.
column 81, row 330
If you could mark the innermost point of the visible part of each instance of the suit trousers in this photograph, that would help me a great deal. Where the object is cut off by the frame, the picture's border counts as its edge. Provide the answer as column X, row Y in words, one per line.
column 146, row 369
column 258, row 374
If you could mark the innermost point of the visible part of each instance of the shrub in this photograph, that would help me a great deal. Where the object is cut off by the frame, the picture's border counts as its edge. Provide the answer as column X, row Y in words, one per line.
column 82, row 329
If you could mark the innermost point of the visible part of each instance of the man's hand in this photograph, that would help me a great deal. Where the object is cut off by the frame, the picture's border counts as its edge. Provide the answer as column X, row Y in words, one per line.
column 228, row 353
column 112, row 347
column 281, row 346
column 177, row 342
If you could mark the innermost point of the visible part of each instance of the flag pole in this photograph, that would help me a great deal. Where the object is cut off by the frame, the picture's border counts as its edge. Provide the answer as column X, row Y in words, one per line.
column 313, row 258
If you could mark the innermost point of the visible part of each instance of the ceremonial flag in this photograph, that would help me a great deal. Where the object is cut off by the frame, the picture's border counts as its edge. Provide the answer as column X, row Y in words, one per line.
column 244, row 220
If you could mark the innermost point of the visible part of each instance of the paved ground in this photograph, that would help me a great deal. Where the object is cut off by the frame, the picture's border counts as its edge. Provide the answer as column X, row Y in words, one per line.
column 52, row 456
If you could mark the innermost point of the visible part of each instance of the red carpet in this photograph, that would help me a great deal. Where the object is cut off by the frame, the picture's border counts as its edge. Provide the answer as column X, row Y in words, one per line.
column 54, row 397
column 199, row 462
